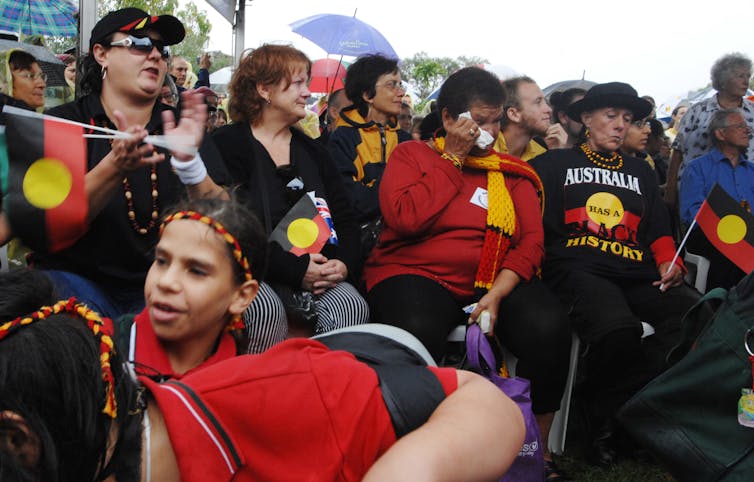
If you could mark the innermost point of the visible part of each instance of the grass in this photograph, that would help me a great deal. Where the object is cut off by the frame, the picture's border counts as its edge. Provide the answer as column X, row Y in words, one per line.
column 573, row 462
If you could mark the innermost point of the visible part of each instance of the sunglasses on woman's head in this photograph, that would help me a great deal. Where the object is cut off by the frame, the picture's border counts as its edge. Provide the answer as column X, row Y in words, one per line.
column 142, row 45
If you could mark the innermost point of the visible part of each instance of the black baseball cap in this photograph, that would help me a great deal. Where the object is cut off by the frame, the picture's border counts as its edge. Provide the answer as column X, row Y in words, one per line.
column 131, row 20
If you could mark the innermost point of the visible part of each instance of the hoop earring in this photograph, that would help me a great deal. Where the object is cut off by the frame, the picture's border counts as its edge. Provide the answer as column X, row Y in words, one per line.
column 104, row 72
column 586, row 133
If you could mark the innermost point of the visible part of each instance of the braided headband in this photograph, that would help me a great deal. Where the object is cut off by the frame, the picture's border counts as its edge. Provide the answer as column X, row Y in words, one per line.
column 95, row 323
column 236, row 322
column 232, row 242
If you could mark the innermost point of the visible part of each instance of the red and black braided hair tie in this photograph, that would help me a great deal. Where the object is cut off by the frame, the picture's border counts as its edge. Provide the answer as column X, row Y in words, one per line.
column 96, row 325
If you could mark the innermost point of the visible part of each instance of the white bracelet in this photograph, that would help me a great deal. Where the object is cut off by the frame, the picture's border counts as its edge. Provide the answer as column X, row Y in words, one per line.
column 190, row 172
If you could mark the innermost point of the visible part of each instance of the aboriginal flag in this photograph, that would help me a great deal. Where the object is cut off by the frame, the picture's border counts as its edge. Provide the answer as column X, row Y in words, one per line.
column 729, row 227
column 44, row 198
column 302, row 230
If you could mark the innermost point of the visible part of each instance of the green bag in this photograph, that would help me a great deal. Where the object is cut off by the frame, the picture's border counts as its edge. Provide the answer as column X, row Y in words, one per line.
column 687, row 417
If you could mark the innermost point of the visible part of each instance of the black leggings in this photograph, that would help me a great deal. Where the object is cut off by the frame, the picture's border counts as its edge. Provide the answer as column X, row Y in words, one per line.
column 531, row 324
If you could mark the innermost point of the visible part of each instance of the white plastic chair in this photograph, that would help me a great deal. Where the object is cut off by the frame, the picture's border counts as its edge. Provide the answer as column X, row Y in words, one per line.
column 4, row 258
column 702, row 269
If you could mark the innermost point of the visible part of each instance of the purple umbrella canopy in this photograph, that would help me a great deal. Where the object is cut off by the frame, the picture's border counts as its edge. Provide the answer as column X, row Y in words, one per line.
column 342, row 35
column 39, row 17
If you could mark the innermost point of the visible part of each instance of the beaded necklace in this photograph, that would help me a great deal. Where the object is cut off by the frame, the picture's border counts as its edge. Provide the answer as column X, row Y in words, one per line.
column 614, row 162
column 130, row 204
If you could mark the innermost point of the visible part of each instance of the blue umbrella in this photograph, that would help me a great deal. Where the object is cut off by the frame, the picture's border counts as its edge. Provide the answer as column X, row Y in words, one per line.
column 39, row 17
column 339, row 34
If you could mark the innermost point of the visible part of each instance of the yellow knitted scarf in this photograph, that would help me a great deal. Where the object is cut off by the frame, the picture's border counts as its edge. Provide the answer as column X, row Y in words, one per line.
column 501, row 212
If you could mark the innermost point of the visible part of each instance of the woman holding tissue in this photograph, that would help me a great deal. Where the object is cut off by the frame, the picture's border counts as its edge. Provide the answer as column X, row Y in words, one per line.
column 128, row 182
column 462, row 225
column 610, row 255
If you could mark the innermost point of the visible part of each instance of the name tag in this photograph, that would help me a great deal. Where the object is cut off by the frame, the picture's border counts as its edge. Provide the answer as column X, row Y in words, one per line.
column 479, row 198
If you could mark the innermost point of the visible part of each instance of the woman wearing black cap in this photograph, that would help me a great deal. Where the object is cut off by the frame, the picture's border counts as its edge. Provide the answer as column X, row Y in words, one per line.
column 129, row 182
column 608, row 254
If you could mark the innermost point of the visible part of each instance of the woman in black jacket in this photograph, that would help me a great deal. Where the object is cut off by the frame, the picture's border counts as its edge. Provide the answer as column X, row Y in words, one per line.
column 274, row 165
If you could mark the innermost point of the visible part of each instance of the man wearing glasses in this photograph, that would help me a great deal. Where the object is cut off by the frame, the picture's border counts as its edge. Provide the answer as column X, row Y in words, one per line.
column 724, row 164
column 730, row 77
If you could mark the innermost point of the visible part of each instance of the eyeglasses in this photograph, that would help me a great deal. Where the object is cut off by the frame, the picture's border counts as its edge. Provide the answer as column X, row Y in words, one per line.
column 641, row 124
column 394, row 85
column 33, row 77
column 142, row 45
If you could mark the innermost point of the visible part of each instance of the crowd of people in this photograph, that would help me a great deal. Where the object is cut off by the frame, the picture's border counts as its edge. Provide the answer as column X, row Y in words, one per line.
column 541, row 216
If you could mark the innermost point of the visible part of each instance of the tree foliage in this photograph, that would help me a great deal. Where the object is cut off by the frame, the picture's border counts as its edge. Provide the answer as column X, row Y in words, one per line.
column 427, row 73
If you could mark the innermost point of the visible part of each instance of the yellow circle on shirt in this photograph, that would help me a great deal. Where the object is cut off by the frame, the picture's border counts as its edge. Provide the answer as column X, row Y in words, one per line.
column 47, row 183
column 604, row 208
column 731, row 229
column 302, row 232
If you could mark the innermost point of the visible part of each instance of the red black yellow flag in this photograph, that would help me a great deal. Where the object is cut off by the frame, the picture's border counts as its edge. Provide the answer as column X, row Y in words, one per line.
column 45, row 201
column 729, row 227
column 302, row 230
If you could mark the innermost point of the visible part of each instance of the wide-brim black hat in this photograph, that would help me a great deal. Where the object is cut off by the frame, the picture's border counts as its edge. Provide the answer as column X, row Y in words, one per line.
column 611, row 94
column 133, row 20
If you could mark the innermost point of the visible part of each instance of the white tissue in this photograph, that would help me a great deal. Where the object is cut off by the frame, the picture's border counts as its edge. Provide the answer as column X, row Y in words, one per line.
column 485, row 139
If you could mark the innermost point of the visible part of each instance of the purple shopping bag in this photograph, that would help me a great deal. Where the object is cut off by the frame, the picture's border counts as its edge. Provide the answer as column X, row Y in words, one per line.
column 529, row 465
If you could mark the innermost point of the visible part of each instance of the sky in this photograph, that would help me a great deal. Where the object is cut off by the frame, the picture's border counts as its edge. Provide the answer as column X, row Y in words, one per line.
column 663, row 48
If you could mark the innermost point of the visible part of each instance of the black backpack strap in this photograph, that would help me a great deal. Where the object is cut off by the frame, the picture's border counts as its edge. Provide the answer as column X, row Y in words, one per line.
column 411, row 392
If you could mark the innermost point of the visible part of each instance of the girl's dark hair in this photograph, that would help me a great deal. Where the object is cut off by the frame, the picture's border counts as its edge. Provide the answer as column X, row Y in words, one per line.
column 241, row 223
column 50, row 375
column 559, row 101
column 362, row 76
column 24, row 291
column 468, row 86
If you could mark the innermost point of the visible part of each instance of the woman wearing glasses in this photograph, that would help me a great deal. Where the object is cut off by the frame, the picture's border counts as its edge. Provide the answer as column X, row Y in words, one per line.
column 274, row 165
column 366, row 134
column 129, row 182
column 22, row 82
column 609, row 254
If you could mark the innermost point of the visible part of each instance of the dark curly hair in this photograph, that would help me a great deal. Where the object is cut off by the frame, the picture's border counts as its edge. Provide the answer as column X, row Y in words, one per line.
column 90, row 71
column 266, row 65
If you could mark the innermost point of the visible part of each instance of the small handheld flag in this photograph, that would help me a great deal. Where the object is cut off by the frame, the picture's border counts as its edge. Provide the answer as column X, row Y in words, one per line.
column 303, row 229
column 44, row 195
column 729, row 227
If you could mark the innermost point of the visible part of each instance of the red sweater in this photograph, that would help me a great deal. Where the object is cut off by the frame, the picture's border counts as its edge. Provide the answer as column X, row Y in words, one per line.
column 434, row 225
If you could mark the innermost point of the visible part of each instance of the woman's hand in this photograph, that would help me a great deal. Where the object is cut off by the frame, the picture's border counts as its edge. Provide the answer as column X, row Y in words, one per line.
column 669, row 279
column 333, row 272
column 505, row 281
column 490, row 303
column 460, row 136
column 129, row 154
column 186, row 137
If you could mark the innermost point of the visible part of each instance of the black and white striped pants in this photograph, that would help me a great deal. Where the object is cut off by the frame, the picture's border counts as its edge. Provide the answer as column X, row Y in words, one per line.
column 267, row 324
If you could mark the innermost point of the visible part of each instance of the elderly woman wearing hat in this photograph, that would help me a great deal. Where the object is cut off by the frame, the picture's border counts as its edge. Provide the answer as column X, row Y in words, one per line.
column 609, row 255
column 129, row 182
